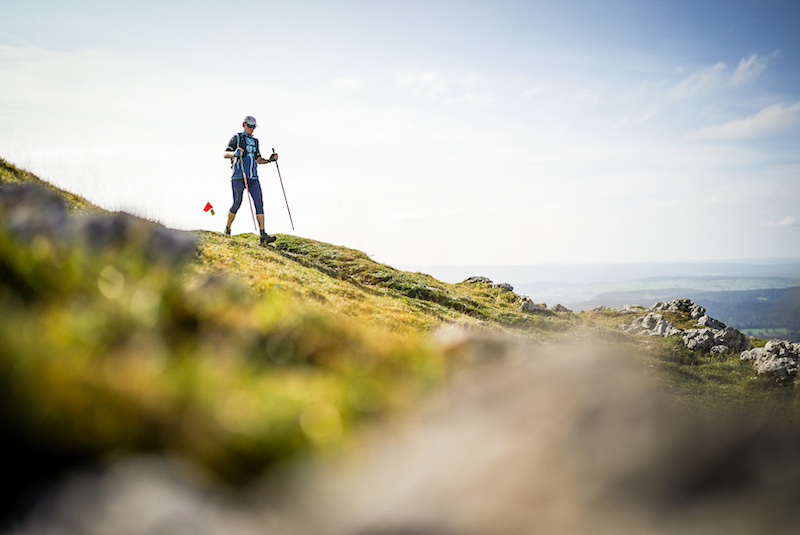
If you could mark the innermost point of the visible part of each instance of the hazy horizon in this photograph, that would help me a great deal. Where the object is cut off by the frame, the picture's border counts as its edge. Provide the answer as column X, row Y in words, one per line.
column 613, row 272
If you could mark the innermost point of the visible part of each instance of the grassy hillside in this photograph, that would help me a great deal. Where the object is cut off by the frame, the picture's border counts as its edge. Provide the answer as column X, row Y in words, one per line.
column 243, row 356
column 10, row 174
column 347, row 283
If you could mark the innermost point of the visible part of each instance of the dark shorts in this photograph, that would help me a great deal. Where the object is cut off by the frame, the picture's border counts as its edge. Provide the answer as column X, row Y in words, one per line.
column 237, row 185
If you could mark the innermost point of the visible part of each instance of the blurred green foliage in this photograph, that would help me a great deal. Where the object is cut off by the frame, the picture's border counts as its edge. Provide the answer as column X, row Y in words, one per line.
column 104, row 352
column 247, row 356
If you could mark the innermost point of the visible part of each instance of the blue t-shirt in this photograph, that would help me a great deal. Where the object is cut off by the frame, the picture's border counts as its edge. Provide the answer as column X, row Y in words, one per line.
column 247, row 165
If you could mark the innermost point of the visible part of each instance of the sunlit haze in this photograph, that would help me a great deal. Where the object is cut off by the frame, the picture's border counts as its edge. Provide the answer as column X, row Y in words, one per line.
column 427, row 132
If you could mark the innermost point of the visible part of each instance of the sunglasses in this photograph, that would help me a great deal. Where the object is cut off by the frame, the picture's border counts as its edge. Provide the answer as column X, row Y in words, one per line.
column 249, row 125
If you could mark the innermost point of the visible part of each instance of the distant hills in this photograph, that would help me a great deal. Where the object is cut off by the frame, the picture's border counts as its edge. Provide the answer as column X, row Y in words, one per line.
column 767, row 313
column 760, row 297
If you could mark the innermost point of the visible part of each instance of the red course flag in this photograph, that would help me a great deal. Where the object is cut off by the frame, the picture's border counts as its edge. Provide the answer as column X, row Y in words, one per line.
column 209, row 207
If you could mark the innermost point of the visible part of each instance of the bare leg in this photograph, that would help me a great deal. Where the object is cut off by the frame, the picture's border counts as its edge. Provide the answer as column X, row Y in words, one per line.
column 231, row 217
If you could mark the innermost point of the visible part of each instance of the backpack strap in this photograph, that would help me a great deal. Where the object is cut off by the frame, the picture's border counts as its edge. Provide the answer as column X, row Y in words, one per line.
column 238, row 145
column 243, row 144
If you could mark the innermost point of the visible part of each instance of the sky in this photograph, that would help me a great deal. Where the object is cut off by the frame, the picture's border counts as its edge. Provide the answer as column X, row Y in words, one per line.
column 435, row 132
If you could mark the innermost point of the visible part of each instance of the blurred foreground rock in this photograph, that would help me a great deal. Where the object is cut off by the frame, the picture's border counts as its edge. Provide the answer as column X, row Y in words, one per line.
column 31, row 212
column 563, row 441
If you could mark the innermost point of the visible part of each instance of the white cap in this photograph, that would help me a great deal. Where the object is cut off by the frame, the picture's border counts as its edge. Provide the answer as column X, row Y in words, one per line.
column 250, row 120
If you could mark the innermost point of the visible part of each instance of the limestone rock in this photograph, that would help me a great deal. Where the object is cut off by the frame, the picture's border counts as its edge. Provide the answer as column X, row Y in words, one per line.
column 711, row 323
column 707, row 339
column 528, row 306
column 733, row 339
column 627, row 309
column 713, row 336
column 682, row 306
column 777, row 361
column 478, row 280
column 652, row 324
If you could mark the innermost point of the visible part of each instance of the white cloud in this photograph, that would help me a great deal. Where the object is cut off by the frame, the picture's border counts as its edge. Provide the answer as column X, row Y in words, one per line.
column 346, row 84
column 701, row 81
column 785, row 222
column 748, row 70
column 424, row 84
column 435, row 85
column 474, row 99
column 767, row 121
column 709, row 79
column 638, row 117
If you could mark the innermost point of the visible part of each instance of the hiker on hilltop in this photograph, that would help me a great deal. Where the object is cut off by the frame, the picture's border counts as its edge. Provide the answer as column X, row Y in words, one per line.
column 244, row 153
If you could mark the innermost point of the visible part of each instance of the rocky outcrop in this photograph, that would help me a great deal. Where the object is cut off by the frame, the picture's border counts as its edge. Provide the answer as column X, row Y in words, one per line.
column 627, row 309
column 778, row 361
column 652, row 324
column 680, row 306
column 528, row 306
column 488, row 282
column 717, row 341
column 711, row 323
column 478, row 280
column 712, row 336
column 526, row 303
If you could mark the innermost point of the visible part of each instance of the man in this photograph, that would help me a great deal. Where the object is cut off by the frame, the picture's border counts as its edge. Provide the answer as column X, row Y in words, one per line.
column 244, row 152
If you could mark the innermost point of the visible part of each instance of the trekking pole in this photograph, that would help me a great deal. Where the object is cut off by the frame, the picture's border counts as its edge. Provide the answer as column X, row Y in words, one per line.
column 282, row 189
column 249, row 197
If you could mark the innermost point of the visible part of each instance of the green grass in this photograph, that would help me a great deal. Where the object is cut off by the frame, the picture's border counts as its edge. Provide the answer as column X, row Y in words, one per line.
column 680, row 321
column 347, row 282
column 722, row 386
